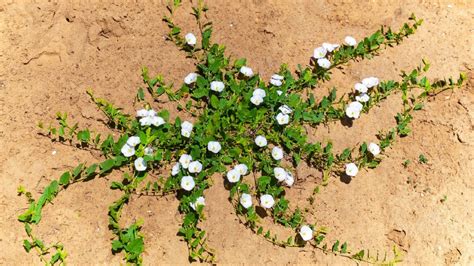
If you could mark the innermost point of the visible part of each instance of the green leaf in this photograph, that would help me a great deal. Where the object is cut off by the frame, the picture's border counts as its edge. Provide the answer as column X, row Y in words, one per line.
column 214, row 102
column 140, row 94
column 64, row 179
column 107, row 165
column 77, row 170
column 91, row 170
column 344, row 248
column 206, row 36
column 27, row 245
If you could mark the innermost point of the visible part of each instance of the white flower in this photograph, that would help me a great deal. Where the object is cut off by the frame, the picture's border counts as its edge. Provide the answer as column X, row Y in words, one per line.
column 157, row 121
column 360, row 88
column 190, row 78
column 140, row 164
column 127, row 150
column 351, row 169
column 363, row 98
column 349, row 40
column 282, row 119
column 279, row 92
column 276, row 80
column 186, row 129
column 246, row 71
column 233, row 176
column 151, row 113
column 246, row 200
column 185, row 160
column 195, row 167
column 259, row 92
column 187, row 183
column 217, row 86
column 277, row 153
column 277, row 77
column 148, row 151
column 200, row 201
column 214, row 146
column 353, row 109
column 370, row 82
column 280, row 173
column 324, row 63
column 261, row 141
column 285, row 109
column 319, row 52
column 306, row 233
column 267, row 201
column 142, row 113
column 374, row 149
column 330, row 47
column 257, row 100
column 190, row 39
column 289, row 180
column 242, row 169
column 146, row 121
column 175, row 169
column 133, row 141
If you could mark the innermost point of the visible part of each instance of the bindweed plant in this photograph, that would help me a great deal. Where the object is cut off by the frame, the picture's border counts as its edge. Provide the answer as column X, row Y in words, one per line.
column 247, row 131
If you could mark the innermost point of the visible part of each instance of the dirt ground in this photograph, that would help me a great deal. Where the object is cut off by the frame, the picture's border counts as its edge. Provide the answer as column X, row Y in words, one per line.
column 50, row 53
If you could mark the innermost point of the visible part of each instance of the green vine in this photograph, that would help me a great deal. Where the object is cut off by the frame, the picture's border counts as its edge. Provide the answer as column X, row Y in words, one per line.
column 241, row 126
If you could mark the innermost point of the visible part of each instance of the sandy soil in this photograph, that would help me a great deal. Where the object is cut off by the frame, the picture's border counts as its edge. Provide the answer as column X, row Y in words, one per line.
column 50, row 53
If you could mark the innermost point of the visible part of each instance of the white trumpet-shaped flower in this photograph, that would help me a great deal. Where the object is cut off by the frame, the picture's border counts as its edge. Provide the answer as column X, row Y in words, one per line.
column 285, row 109
column 277, row 153
column 246, row 71
column 351, row 169
column 127, row 150
column 324, row 63
column 233, row 176
column 306, row 233
column 140, row 164
column 330, row 46
column 280, row 173
column 157, row 121
column 363, row 98
column 217, row 86
column 142, row 113
column 360, row 88
column 187, row 183
column 186, row 129
column 370, row 82
column 276, row 80
column 282, row 118
column 374, row 149
column 256, row 100
column 246, row 200
column 200, row 201
column 353, row 109
column 175, row 169
column 242, row 169
column 185, row 160
column 349, row 40
column 195, row 167
column 261, row 141
column 190, row 39
column 289, row 180
column 190, row 78
column 214, row 146
column 320, row 52
column 267, row 201
column 259, row 92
